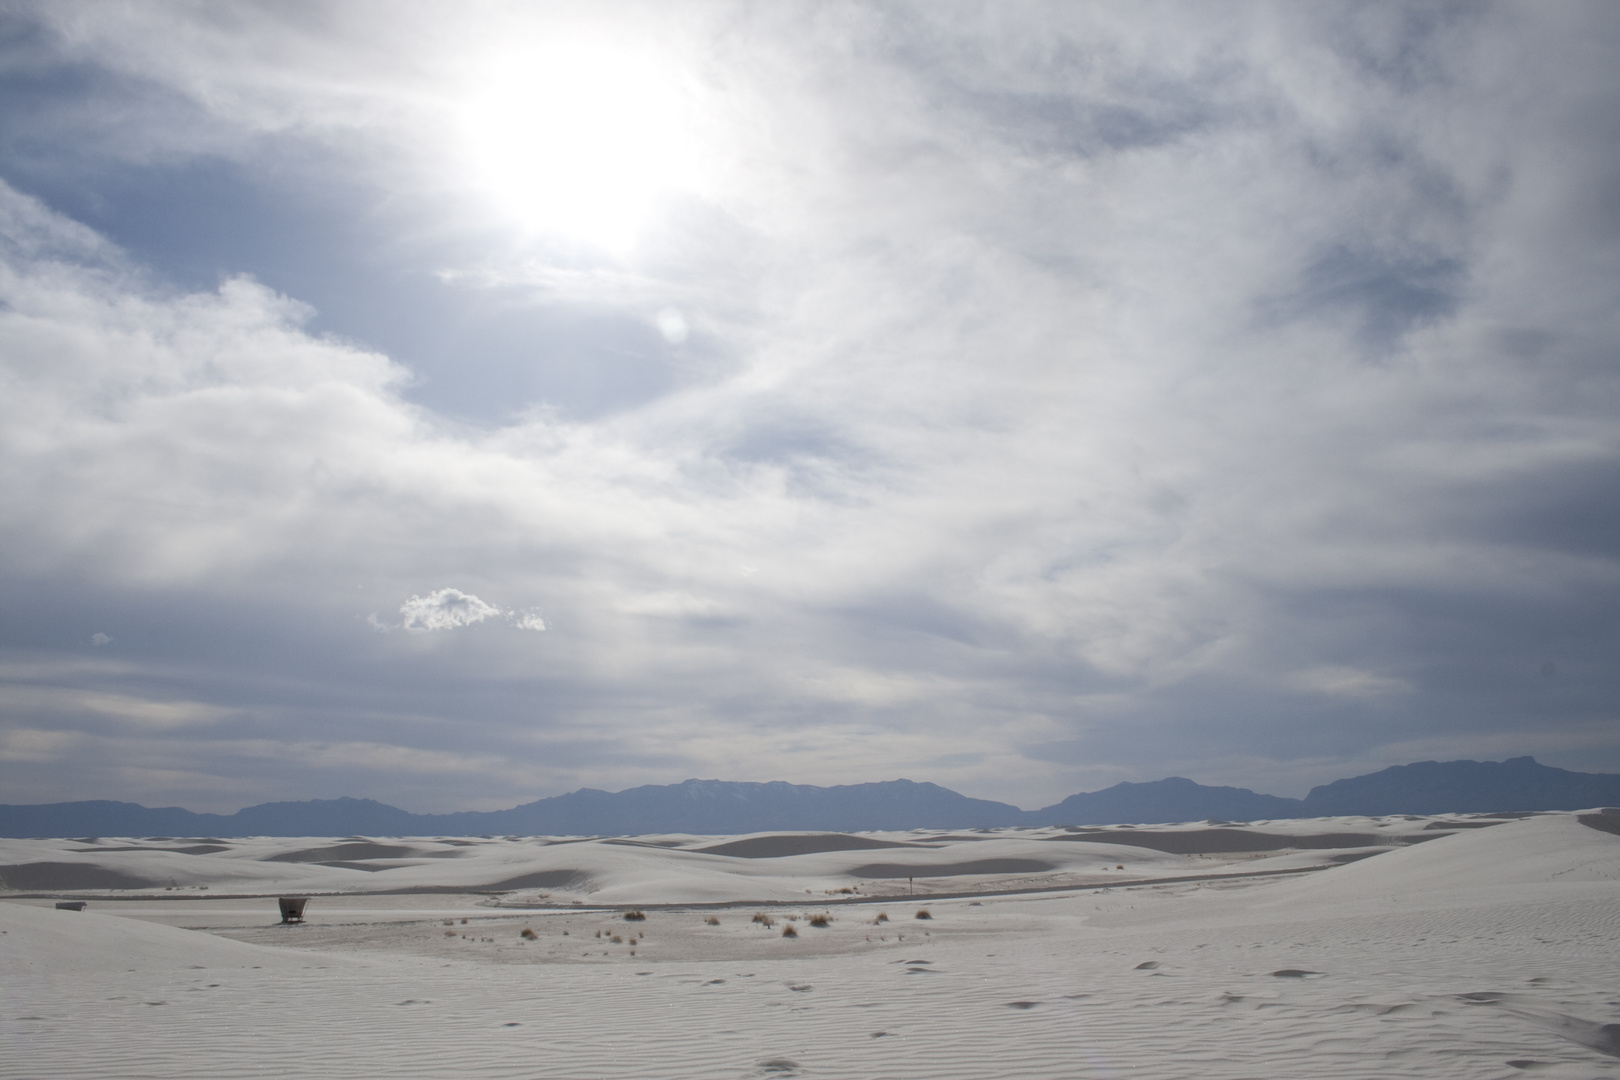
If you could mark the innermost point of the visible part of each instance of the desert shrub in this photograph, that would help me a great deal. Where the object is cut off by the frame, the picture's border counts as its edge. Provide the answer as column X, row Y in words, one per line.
column 528, row 935
column 449, row 922
column 463, row 922
column 712, row 921
column 922, row 913
column 617, row 940
column 449, row 933
column 635, row 916
column 788, row 931
column 820, row 920
column 882, row 917
column 1121, row 866
column 764, row 919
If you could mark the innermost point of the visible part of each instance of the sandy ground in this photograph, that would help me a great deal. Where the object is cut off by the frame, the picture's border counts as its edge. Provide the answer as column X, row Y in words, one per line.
column 1490, row 949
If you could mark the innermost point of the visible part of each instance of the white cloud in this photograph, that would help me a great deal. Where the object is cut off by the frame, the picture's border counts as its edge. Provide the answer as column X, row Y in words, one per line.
column 444, row 609
column 526, row 620
column 100, row 639
column 450, row 609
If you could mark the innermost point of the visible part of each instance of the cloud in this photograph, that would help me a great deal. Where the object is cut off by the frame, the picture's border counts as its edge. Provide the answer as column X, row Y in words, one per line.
column 449, row 609
column 100, row 639
column 526, row 620
column 444, row 609
column 1164, row 390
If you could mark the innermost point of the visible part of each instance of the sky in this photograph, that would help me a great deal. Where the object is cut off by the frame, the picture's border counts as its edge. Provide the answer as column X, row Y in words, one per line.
column 462, row 404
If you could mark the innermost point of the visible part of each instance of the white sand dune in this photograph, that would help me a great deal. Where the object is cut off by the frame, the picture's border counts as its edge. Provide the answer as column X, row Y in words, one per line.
column 1481, row 952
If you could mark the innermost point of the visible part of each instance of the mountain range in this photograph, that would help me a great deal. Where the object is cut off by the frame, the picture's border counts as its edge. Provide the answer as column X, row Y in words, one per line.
column 721, row 807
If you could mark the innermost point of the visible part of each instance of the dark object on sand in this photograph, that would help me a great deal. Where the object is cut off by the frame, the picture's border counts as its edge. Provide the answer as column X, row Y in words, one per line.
column 70, row 905
column 292, row 908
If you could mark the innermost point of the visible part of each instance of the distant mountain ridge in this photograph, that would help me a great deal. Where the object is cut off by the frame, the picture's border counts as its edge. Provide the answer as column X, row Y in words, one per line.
column 718, row 807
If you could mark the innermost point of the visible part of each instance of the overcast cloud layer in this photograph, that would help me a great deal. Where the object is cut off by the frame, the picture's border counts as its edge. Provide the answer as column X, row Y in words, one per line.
column 461, row 404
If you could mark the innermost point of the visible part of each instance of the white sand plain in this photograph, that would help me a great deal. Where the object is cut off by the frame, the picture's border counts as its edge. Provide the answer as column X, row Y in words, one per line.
column 1329, row 948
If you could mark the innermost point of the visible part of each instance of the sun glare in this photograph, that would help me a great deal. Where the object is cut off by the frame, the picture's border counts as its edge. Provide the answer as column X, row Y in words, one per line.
column 579, row 140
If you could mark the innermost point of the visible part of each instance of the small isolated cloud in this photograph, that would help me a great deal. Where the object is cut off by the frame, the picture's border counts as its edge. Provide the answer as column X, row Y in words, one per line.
column 100, row 639
column 526, row 620
column 444, row 609
column 449, row 609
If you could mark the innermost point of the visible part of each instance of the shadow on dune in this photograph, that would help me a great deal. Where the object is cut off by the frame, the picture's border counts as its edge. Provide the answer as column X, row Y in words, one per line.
column 777, row 847
column 51, row 876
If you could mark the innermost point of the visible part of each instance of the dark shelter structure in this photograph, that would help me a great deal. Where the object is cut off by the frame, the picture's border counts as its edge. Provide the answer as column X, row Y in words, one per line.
column 292, row 908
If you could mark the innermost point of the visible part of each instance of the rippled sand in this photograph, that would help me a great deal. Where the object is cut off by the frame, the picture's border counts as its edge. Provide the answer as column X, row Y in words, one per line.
column 1483, row 952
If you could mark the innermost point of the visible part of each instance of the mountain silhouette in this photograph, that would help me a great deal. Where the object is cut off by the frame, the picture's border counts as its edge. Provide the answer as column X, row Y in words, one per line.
column 710, row 807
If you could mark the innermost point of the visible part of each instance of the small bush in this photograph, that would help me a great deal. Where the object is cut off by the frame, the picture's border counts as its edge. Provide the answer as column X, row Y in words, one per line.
column 922, row 913
column 820, row 920
column 788, row 931
column 712, row 921
column 617, row 940
column 882, row 917
column 635, row 916
column 463, row 922
column 449, row 933
column 764, row 919
column 1121, row 866
column 528, row 935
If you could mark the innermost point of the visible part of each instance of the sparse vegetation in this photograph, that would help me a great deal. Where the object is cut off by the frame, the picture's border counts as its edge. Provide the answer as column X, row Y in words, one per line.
column 820, row 920
column 528, row 935
column 882, row 917
column 922, row 913
column 764, row 919
column 617, row 940
column 449, row 933
column 788, row 931
column 712, row 921
column 635, row 915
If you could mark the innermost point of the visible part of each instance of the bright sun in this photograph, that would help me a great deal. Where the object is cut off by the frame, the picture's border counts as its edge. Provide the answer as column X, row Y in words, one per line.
column 579, row 140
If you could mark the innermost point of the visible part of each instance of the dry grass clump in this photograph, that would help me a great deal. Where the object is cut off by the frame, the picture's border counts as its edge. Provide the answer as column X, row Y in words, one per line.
column 712, row 921
column 764, row 919
column 788, row 931
column 528, row 935
column 449, row 933
column 617, row 940
column 922, row 913
column 635, row 915
column 820, row 920
column 882, row 917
